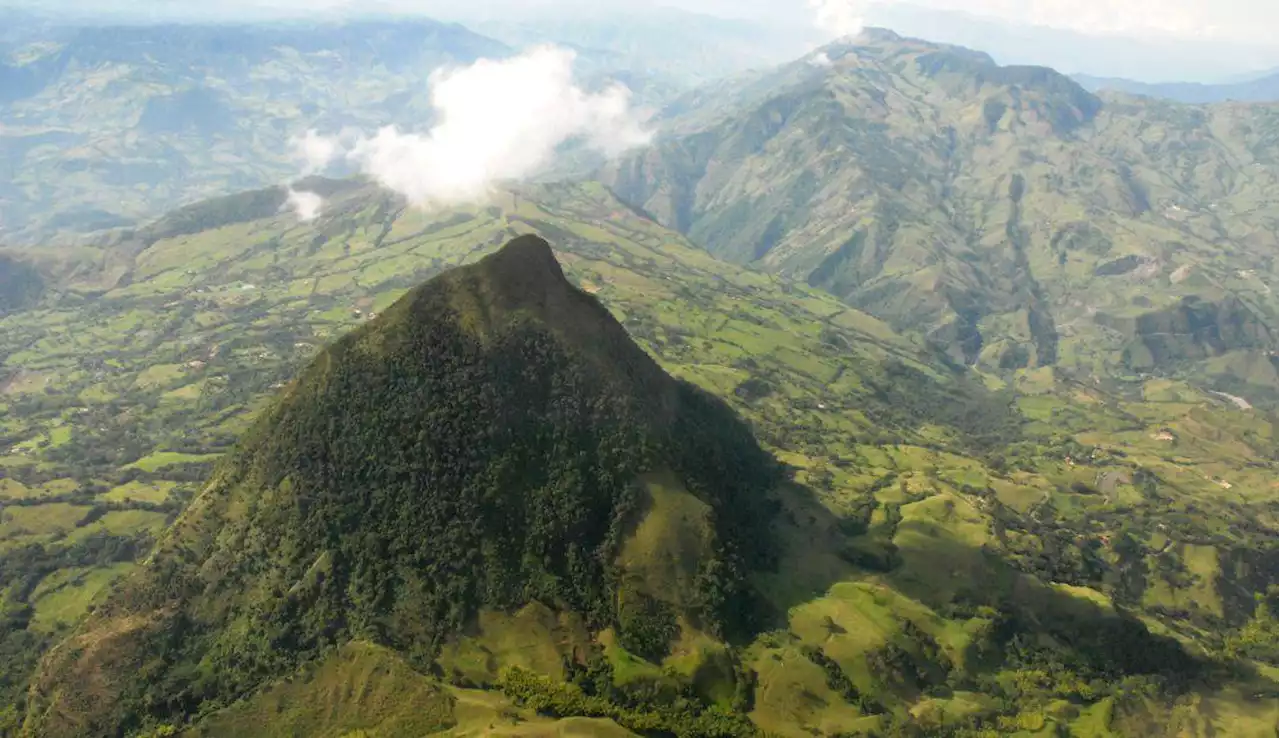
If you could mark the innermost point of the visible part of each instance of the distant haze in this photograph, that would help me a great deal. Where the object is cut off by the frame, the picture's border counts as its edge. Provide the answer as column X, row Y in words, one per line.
column 1148, row 40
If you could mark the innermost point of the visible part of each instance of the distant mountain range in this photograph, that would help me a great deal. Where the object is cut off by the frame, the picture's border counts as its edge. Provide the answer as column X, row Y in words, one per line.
column 1262, row 88
column 1005, row 211
column 106, row 126
column 103, row 125
column 891, row 391
column 686, row 47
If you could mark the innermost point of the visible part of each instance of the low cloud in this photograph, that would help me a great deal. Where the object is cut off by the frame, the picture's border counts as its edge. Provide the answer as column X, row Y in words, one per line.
column 496, row 120
column 306, row 205
column 838, row 18
column 314, row 151
column 820, row 59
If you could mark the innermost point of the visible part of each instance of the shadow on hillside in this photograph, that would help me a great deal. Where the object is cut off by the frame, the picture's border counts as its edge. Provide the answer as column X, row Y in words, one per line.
column 962, row 581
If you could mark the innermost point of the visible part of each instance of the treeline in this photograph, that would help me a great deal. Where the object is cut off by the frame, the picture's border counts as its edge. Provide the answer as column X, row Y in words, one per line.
column 682, row 718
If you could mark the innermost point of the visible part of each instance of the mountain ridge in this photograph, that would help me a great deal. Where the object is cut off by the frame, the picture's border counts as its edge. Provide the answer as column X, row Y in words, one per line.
column 496, row 406
column 989, row 207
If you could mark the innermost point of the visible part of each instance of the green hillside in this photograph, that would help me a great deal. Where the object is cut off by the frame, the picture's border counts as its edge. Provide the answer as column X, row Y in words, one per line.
column 953, row 550
column 110, row 126
column 478, row 445
column 1016, row 219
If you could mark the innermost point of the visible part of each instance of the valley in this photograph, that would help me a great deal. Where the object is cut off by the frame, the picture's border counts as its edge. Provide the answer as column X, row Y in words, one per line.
column 1148, row 495
column 1005, row 212
column 890, row 391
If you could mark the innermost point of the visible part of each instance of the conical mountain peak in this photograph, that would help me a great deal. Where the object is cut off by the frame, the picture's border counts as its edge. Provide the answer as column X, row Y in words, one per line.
column 528, row 257
column 484, row 443
column 522, row 286
column 524, row 272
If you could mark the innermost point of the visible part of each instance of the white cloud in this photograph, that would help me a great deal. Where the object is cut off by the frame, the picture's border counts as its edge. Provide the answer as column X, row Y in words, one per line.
column 306, row 205
column 314, row 150
column 496, row 120
column 820, row 59
column 837, row 18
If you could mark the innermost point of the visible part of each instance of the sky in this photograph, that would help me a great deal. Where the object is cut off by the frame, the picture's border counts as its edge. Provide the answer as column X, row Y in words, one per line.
column 1234, row 20
column 1249, row 21
column 1194, row 40
column 1149, row 47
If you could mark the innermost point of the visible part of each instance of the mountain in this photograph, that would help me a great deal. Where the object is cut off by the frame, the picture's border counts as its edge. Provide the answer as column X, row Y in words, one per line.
column 486, row 441
column 108, row 126
column 1249, row 76
column 1006, row 212
column 254, row 309
column 948, row 548
column 1263, row 88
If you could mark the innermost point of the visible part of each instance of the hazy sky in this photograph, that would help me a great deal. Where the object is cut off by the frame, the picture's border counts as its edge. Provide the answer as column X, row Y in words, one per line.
column 1253, row 21
column 1199, row 40
column 1242, row 20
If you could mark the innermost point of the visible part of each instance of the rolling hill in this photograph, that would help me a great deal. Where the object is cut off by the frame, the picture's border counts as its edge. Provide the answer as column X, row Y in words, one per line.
column 1007, row 213
column 949, row 550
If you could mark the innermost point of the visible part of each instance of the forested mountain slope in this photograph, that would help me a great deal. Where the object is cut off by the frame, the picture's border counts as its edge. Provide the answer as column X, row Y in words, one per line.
column 1015, row 218
column 947, row 549
column 484, row 442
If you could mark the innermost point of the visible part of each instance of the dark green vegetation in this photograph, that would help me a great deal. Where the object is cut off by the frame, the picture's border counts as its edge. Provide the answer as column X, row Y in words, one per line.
column 1008, row 214
column 20, row 284
column 477, row 445
column 957, row 549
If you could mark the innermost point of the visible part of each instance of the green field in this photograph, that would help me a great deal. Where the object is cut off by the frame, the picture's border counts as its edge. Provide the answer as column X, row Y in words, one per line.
column 62, row 598
column 921, row 497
